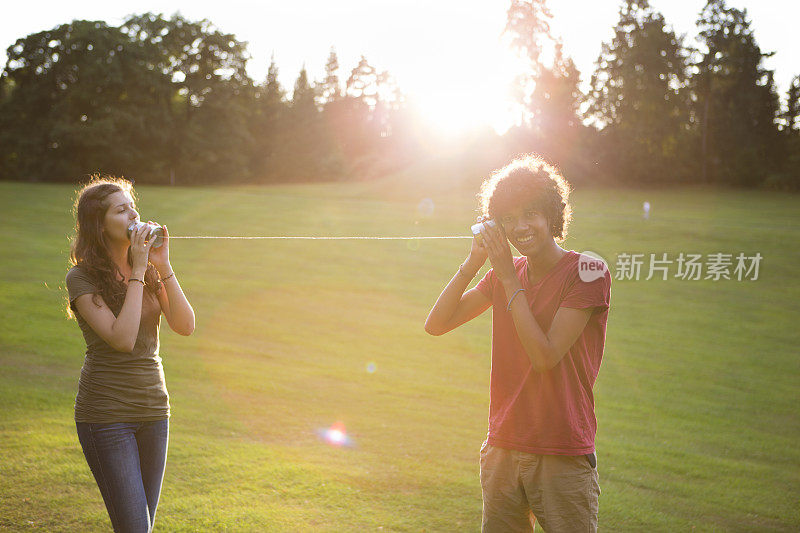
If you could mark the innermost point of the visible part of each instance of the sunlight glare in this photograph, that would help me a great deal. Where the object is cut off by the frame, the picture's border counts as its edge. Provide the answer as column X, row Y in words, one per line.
column 472, row 93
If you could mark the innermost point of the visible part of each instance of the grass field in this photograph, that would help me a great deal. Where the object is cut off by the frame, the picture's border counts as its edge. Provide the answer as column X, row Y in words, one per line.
column 697, row 399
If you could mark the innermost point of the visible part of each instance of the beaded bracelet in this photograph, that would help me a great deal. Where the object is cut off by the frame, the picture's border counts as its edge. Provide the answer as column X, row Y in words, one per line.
column 165, row 279
column 512, row 298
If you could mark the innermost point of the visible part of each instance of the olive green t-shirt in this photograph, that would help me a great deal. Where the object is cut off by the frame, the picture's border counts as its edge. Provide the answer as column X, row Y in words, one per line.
column 117, row 386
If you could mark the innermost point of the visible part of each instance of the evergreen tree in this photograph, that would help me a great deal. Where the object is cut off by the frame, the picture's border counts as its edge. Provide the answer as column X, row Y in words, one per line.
column 788, row 177
column 274, row 94
column 791, row 116
column 389, row 99
column 269, row 123
column 304, row 139
column 638, row 98
column 356, row 134
column 330, row 89
column 528, row 24
column 556, row 97
column 548, row 91
column 363, row 83
column 736, row 100
column 303, row 105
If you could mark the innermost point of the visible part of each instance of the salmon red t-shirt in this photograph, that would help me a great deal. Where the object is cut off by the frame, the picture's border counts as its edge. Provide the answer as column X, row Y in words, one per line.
column 552, row 412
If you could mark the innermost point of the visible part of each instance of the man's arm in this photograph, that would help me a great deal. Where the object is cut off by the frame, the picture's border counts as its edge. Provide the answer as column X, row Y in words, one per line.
column 455, row 307
column 545, row 350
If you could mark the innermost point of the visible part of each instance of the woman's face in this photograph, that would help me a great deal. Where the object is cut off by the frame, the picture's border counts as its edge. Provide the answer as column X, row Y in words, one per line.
column 119, row 215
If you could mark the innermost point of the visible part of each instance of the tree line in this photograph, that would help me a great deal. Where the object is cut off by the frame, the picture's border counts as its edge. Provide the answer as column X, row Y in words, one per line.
column 168, row 100
column 660, row 109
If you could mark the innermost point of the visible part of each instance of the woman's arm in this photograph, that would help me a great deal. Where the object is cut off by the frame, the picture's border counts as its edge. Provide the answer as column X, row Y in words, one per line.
column 120, row 331
column 176, row 307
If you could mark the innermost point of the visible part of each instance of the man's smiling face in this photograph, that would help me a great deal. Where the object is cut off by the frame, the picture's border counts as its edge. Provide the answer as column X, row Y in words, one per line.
column 526, row 227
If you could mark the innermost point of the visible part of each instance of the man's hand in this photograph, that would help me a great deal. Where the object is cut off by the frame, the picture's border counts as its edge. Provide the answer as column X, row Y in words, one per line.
column 499, row 251
column 477, row 254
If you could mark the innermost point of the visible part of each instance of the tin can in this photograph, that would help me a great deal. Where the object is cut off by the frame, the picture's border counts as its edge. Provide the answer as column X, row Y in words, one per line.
column 476, row 229
column 156, row 232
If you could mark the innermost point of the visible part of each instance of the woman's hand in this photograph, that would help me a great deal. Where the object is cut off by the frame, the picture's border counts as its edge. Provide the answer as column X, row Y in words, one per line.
column 499, row 252
column 140, row 249
column 160, row 256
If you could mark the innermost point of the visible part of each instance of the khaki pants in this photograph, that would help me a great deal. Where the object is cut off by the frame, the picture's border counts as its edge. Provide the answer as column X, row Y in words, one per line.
column 560, row 491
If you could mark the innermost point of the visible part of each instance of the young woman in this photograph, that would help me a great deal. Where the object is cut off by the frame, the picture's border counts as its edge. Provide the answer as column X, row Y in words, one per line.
column 548, row 335
column 118, row 287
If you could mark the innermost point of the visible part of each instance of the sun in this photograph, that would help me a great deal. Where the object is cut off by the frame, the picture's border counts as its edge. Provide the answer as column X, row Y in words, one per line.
column 453, row 115
column 466, row 99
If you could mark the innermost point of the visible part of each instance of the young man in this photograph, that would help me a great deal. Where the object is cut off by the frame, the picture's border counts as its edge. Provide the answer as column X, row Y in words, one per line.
column 548, row 333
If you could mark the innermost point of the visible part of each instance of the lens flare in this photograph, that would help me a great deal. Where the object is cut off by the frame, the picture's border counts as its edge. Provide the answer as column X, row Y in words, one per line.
column 371, row 367
column 336, row 435
column 426, row 207
column 413, row 244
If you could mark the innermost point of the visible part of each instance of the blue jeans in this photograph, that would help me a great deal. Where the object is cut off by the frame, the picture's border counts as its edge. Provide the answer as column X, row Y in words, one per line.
column 127, row 460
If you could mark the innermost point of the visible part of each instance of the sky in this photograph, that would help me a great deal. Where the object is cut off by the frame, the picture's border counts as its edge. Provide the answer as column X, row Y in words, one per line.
column 447, row 56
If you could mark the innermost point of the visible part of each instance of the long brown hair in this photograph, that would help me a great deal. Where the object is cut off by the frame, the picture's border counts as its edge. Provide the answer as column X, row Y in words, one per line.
column 90, row 248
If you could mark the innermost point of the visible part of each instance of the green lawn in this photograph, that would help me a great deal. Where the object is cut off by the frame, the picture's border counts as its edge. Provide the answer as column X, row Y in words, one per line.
column 697, row 399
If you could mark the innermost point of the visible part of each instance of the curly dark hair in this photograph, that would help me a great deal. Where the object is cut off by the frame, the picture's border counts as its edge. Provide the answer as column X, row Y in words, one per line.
column 89, row 248
column 527, row 180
